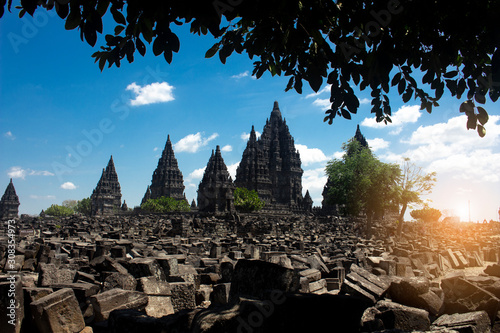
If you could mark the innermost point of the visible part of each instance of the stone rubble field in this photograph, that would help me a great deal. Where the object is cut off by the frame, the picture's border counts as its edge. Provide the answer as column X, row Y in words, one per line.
column 249, row 273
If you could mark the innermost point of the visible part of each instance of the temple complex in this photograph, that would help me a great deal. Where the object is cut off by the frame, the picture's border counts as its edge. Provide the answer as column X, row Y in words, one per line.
column 167, row 180
column 106, row 197
column 215, row 192
column 271, row 165
column 9, row 204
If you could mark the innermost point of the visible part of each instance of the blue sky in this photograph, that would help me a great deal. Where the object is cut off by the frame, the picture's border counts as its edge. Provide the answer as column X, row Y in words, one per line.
column 61, row 119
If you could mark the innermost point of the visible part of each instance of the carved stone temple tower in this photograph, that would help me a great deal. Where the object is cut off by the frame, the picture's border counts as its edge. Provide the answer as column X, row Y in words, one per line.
column 271, row 165
column 9, row 204
column 106, row 197
column 167, row 180
column 216, row 189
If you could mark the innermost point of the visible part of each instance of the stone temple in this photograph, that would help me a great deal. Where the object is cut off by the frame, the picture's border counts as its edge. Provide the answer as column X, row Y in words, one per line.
column 167, row 180
column 215, row 192
column 271, row 165
column 106, row 197
column 9, row 204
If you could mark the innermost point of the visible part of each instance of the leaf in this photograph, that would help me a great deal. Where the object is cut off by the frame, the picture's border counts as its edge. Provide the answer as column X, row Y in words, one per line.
column 480, row 98
column 471, row 121
column 467, row 107
column 212, row 51
column 396, row 79
column 158, row 46
column 173, row 42
column 450, row 74
column 482, row 115
column 119, row 29
column 90, row 34
column 168, row 56
column 315, row 80
column 73, row 20
column 481, row 131
column 140, row 46
column 345, row 113
column 62, row 9
column 29, row 6
column 118, row 16
column 407, row 95
column 401, row 86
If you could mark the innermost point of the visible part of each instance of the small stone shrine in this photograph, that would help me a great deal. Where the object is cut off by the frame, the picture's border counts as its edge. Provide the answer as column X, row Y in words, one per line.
column 215, row 192
column 106, row 197
column 167, row 180
column 9, row 204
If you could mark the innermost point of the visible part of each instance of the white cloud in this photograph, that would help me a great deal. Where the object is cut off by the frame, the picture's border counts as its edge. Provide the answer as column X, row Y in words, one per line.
column 40, row 173
column 232, row 169
column 155, row 148
column 242, row 75
column 42, row 197
column 9, row 135
column 193, row 142
column 326, row 88
column 156, row 92
column 310, row 155
column 227, row 148
column 196, row 174
column 68, row 186
column 365, row 101
column 377, row 144
column 245, row 136
column 19, row 172
column 314, row 180
column 322, row 103
column 16, row 172
column 405, row 114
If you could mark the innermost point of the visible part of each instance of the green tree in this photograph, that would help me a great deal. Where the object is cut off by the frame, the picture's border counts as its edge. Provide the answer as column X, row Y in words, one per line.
column 361, row 183
column 70, row 203
column 413, row 183
column 246, row 200
column 165, row 205
column 426, row 214
column 84, row 206
column 379, row 44
column 60, row 211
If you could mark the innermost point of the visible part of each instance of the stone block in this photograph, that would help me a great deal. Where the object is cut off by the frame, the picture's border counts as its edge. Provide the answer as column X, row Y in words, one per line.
column 226, row 271
column 220, row 293
column 463, row 296
column 119, row 280
column 203, row 294
column 477, row 321
column 255, row 278
column 332, row 284
column 11, row 304
column 450, row 255
column 141, row 267
column 310, row 274
column 183, row 295
column 49, row 275
column 58, row 312
column 159, row 306
column 389, row 266
column 82, row 290
column 395, row 316
column 115, row 299
column 169, row 265
column 318, row 287
column 151, row 286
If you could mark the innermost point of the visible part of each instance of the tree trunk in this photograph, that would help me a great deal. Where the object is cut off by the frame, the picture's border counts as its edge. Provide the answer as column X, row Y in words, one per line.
column 401, row 219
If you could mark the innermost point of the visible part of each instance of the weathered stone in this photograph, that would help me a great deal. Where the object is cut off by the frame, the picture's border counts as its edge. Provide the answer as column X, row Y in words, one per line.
column 493, row 270
column 401, row 317
column 114, row 299
column 58, row 312
column 255, row 277
column 140, row 267
column 119, row 280
column 318, row 287
column 311, row 274
column 183, row 295
column 364, row 284
column 220, row 293
column 11, row 304
column 169, row 265
column 477, row 321
column 463, row 296
column 49, row 275
column 159, row 306
column 152, row 286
